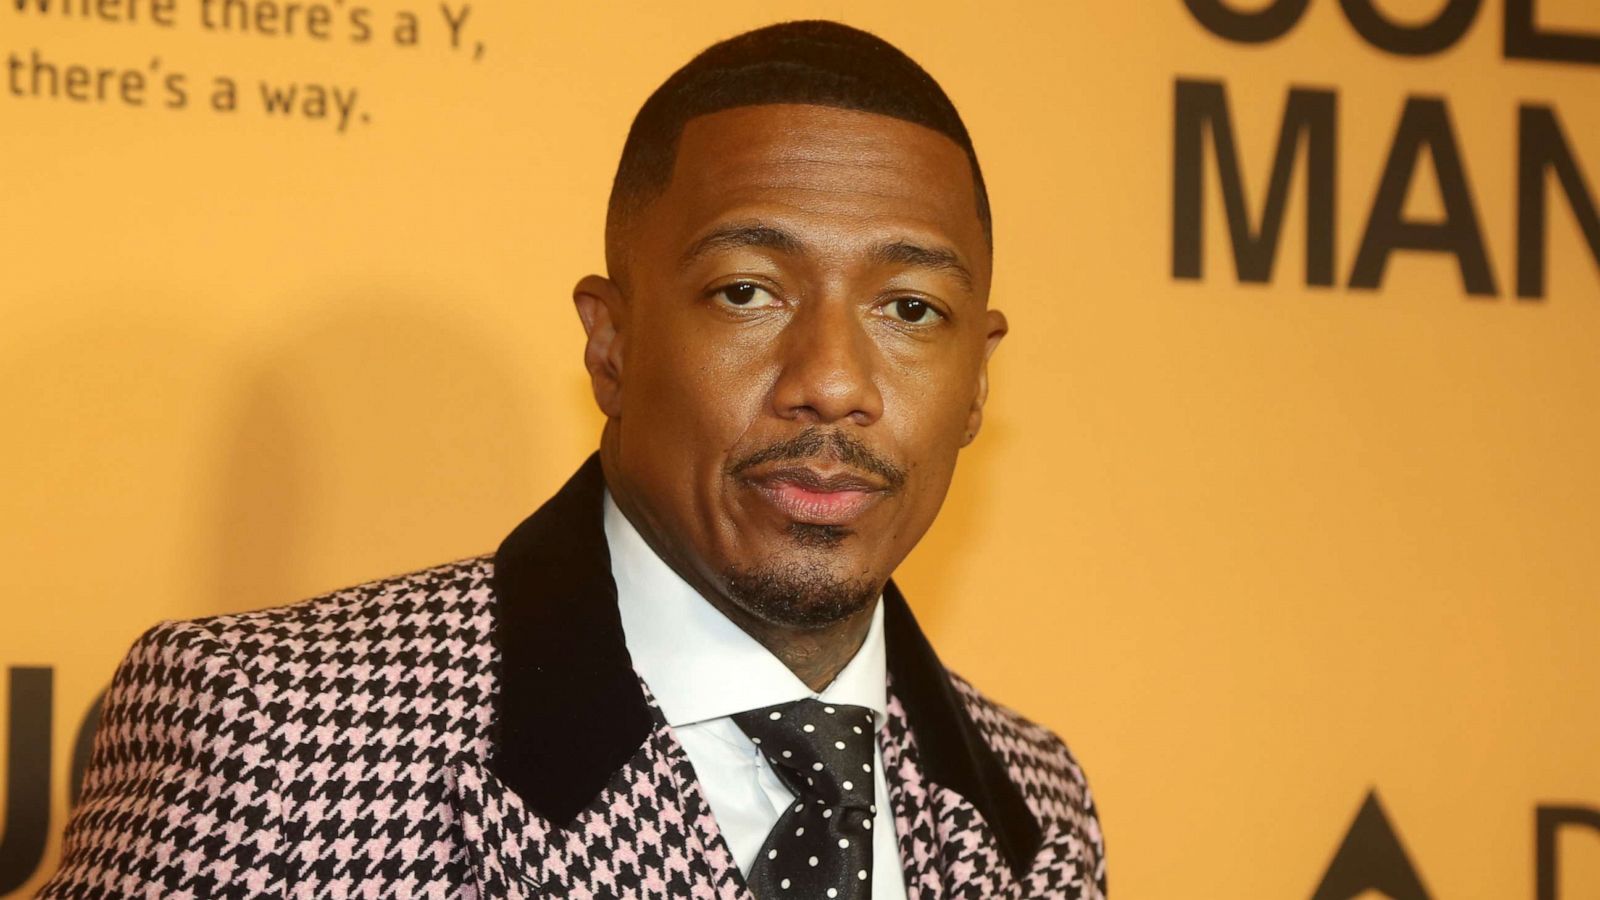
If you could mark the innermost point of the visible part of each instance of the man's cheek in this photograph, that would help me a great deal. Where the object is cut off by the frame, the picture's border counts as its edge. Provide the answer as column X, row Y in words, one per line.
column 729, row 379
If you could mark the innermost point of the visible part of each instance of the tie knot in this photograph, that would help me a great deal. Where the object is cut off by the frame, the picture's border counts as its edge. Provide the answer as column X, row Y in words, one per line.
column 820, row 750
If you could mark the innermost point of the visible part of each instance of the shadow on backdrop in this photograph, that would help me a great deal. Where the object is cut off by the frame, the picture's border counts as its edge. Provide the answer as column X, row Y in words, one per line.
column 381, row 439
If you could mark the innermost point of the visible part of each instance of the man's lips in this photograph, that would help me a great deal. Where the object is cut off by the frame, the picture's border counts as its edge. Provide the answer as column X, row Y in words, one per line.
column 811, row 497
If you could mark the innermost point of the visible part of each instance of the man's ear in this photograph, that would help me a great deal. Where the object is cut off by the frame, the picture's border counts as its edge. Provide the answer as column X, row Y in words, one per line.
column 601, row 308
column 995, row 322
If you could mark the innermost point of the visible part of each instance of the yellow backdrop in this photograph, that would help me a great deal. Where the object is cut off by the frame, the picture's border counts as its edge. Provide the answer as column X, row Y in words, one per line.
column 1256, row 550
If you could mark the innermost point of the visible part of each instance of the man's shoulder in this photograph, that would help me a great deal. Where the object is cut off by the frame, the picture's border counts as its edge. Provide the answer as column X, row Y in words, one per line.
column 1039, row 761
column 420, row 634
column 216, row 729
column 450, row 600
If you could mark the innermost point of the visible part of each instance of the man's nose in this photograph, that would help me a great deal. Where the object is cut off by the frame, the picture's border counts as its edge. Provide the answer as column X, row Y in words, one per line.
column 828, row 367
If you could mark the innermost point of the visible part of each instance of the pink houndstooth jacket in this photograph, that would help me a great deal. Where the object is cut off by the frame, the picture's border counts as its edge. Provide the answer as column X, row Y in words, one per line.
column 477, row 730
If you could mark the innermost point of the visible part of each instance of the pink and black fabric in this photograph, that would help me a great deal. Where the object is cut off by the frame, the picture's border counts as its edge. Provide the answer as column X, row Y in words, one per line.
column 477, row 730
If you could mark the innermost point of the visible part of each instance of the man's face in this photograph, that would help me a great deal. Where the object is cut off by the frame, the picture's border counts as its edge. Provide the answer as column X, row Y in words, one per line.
column 797, row 354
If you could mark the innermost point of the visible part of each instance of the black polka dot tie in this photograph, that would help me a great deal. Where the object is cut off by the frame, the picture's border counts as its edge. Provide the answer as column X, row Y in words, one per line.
column 822, row 845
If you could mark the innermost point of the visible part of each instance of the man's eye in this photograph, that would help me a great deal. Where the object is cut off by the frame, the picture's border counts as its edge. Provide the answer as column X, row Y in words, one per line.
column 745, row 295
column 913, row 311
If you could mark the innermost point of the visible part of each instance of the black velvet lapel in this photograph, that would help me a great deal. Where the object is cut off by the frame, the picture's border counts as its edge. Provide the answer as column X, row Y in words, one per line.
column 953, row 753
column 570, row 712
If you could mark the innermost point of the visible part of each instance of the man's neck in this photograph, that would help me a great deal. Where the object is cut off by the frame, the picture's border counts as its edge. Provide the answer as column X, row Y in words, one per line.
column 815, row 656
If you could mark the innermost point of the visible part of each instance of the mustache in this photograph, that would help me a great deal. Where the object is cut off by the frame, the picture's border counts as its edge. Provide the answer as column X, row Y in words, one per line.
column 813, row 443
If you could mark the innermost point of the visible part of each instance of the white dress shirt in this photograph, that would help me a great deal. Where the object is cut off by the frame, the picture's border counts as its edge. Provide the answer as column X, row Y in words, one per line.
column 702, row 669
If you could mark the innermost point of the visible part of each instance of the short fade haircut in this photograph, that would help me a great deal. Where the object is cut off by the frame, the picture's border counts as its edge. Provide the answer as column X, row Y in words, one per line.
column 819, row 63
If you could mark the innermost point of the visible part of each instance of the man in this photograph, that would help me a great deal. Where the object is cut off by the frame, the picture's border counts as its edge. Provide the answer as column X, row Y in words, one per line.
column 688, row 674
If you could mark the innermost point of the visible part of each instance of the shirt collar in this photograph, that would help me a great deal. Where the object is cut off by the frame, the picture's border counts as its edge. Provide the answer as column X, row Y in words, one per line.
column 699, row 664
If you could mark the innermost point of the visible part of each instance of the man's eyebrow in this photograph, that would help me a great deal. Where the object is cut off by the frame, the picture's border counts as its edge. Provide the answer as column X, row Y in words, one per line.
column 733, row 237
column 892, row 253
column 905, row 253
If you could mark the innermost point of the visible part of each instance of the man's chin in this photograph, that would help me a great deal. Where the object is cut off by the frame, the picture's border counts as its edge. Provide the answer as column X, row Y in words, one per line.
column 818, row 537
column 799, row 594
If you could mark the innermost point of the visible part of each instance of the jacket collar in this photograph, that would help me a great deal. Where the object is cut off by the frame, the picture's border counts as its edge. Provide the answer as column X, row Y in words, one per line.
column 570, row 711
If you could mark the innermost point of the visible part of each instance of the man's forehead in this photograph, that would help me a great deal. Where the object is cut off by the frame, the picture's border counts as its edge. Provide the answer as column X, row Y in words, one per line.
column 824, row 164
column 795, row 135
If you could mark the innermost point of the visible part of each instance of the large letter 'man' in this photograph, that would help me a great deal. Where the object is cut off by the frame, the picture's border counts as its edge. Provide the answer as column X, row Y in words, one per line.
column 1543, row 148
column 1201, row 106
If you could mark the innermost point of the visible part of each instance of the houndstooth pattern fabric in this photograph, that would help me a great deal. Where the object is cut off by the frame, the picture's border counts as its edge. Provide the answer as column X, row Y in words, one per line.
column 293, row 752
column 649, row 834
column 946, row 846
column 339, row 748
